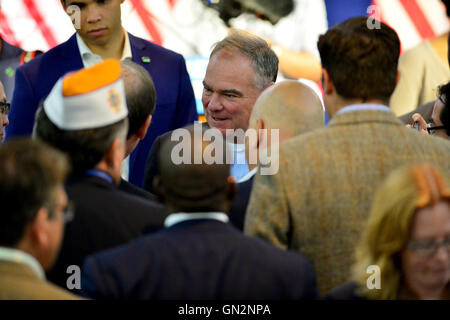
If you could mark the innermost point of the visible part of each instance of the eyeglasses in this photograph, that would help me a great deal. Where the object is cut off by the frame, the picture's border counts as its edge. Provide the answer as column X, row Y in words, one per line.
column 431, row 128
column 429, row 248
column 4, row 107
column 68, row 213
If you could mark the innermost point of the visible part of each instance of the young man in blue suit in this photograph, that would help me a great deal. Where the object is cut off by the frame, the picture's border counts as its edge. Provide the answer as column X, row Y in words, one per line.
column 100, row 35
column 199, row 255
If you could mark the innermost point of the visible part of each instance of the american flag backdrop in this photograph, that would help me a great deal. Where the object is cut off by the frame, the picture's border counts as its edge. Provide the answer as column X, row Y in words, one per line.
column 414, row 20
column 42, row 24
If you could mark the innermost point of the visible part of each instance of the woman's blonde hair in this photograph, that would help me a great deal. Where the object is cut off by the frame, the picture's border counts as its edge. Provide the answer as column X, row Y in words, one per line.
column 389, row 225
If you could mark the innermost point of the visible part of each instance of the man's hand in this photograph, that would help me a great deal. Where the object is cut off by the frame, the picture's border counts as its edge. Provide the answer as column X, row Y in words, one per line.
column 417, row 118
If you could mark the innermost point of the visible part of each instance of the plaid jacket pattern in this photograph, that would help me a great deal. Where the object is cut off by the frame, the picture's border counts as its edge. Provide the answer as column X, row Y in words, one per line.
column 320, row 198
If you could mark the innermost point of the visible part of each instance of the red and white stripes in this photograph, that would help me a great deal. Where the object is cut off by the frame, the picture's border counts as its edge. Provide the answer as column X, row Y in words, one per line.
column 414, row 20
column 42, row 24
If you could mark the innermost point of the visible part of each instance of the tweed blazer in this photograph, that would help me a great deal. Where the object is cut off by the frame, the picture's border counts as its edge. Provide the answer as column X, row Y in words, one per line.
column 20, row 282
column 320, row 198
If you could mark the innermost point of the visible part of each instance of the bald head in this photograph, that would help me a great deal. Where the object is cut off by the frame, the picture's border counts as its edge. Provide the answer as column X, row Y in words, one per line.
column 290, row 106
column 190, row 187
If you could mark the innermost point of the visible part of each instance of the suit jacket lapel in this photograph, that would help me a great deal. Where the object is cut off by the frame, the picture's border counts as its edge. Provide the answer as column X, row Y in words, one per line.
column 138, row 51
column 71, row 53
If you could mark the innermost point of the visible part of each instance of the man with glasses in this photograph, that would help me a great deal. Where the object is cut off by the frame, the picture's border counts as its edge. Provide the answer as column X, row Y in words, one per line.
column 4, row 110
column 34, row 211
column 439, row 116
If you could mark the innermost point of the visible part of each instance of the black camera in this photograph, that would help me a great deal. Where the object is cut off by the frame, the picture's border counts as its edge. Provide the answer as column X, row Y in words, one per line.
column 269, row 10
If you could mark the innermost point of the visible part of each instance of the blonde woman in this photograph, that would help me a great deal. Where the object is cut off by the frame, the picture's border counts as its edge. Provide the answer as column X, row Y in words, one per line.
column 407, row 239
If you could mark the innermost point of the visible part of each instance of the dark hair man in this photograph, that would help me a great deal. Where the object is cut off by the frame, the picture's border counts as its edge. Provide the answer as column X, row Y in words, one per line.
column 85, row 116
column 34, row 211
column 99, row 36
column 318, row 202
column 199, row 255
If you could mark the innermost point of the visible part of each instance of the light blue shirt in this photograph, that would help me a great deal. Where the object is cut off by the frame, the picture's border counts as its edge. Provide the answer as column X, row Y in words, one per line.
column 249, row 175
column 364, row 106
column 239, row 167
column 18, row 256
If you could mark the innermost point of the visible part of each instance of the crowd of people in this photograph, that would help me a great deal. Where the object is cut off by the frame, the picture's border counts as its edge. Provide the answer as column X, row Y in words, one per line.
column 111, row 189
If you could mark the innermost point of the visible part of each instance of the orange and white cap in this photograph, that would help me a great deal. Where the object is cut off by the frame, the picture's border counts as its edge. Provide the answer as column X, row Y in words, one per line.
column 90, row 98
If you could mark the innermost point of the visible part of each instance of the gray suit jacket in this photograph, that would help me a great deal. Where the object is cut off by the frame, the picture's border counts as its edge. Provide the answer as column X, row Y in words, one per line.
column 319, row 200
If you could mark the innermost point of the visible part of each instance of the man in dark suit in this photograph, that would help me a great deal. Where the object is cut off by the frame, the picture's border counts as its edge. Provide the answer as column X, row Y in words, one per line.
column 199, row 255
column 99, row 36
column 85, row 115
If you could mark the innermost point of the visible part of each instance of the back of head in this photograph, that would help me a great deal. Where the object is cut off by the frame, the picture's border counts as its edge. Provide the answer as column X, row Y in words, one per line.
column 361, row 61
column 290, row 106
column 265, row 61
column 85, row 148
column 30, row 172
column 140, row 94
column 190, row 180
column 84, row 114
column 390, row 221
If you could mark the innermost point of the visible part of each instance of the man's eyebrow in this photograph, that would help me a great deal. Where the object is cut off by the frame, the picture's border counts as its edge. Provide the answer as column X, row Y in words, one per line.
column 206, row 85
column 225, row 91
column 76, row 3
column 231, row 91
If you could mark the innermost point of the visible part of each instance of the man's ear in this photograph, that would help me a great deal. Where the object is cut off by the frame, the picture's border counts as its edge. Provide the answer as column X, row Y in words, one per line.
column 39, row 228
column 143, row 129
column 271, row 83
column 328, row 86
column 115, row 154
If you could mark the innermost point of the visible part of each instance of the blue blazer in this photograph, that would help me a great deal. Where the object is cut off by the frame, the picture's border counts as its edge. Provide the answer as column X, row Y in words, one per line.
column 198, row 259
column 175, row 103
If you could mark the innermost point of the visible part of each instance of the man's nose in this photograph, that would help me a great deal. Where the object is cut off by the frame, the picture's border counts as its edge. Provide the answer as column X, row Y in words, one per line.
column 214, row 103
column 93, row 14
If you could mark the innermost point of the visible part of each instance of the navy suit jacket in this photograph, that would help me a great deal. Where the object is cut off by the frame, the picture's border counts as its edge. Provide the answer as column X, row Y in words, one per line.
column 175, row 103
column 198, row 259
column 105, row 217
